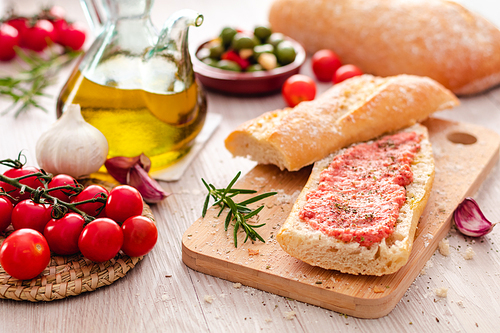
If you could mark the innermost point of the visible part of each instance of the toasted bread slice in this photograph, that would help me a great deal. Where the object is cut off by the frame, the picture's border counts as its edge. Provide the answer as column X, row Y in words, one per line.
column 316, row 248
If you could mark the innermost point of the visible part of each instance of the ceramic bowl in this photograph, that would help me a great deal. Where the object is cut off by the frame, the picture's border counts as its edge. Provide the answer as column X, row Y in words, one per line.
column 252, row 83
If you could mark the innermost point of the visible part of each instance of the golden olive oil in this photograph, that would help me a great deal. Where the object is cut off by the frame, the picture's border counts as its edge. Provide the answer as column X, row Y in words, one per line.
column 163, row 126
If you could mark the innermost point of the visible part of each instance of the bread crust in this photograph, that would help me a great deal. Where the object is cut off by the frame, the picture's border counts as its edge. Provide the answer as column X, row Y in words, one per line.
column 434, row 38
column 303, row 242
column 357, row 109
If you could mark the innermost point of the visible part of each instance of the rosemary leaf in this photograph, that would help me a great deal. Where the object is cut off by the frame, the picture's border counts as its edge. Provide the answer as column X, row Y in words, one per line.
column 238, row 212
column 28, row 85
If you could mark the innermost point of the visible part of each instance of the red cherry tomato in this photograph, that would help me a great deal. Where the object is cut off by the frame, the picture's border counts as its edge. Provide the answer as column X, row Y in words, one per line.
column 298, row 88
column 90, row 192
column 6, row 208
column 101, row 240
column 71, row 35
column 32, row 182
column 346, row 72
column 62, row 180
column 62, row 234
column 28, row 214
column 21, row 25
column 124, row 201
column 324, row 64
column 9, row 38
column 39, row 36
column 139, row 236
column 24, row 254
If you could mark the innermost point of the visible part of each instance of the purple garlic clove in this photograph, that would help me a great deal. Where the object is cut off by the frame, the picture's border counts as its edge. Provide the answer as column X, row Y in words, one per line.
column 149, row 188
column 469, row 219
column 133, row 171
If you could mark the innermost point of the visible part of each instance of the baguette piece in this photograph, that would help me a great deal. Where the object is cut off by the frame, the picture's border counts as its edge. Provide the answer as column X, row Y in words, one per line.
column 312, row 246
column 358, row 109
column 435, row 38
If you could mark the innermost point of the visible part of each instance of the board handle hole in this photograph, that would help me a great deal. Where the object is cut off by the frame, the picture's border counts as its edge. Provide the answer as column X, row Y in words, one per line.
column 463, row 138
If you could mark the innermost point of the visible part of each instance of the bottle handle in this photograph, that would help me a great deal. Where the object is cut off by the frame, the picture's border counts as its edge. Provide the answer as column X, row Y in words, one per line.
column 92, row 14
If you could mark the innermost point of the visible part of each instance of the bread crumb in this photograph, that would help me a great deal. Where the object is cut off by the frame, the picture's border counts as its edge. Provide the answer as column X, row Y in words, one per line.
column 268, row 320
column 237, row 285
column 469, row 253
column 444, row 247
column 290, row 315
column 209, row 299
column 252, row 252
column 378, row 290
column 461, row 304
column 441, row 292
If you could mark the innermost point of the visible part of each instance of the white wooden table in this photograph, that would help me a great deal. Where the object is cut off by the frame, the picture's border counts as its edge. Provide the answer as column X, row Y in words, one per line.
column 162, row 295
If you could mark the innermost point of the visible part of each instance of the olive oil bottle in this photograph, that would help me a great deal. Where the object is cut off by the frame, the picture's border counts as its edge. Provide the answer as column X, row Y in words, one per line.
column 137, row 85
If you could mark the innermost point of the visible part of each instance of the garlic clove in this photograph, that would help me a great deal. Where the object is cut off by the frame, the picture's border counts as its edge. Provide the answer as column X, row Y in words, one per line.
column 470, row 220
column 71, row 146
column 133, row 171
column 149, row 188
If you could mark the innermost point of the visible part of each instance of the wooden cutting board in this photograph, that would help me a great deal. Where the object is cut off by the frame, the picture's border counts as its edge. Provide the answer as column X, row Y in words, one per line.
column 464, row 155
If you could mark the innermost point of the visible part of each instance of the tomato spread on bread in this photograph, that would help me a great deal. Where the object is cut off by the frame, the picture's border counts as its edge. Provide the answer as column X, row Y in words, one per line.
column 361, row 192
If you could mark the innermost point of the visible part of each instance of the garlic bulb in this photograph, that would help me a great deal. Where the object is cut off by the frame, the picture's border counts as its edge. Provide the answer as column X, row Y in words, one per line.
column 72, row 146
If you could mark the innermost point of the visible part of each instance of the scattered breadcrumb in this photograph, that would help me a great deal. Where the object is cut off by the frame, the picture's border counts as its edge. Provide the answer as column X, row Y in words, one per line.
column 444, row 247
column 290, row 315
column 252, row 252
column 461, row 304
column 268, row 320
column 209, row 299
column 441, row 292
column 378, row 289
column 237, row 285
column 469, row 253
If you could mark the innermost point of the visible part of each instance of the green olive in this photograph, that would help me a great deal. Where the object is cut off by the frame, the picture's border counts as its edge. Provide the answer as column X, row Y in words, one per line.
column 242, row 41
column 216, row 50
column 262, row 32
column 229, row 65
column 227, row 35
column 254, row 68
column 263, row 48
column 210, row 62
column 285, row 53
column 275, row 38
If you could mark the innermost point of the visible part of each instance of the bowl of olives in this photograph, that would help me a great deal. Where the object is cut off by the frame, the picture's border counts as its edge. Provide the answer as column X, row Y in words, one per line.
column 247, row 63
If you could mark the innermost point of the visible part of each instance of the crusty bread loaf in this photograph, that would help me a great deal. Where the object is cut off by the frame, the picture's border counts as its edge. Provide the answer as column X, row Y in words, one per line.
column 435, row 38
column 358, row 109
column 314, row 247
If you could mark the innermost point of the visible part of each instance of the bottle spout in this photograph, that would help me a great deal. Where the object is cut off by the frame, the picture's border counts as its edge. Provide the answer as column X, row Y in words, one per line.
column 174, row 33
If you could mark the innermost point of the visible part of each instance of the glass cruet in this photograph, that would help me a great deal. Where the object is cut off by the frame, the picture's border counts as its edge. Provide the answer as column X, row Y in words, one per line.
column 137, row 86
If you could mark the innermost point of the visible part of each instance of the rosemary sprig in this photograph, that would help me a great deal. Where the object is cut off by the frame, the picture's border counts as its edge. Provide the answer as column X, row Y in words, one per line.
column 238, row 212
column 25, row 88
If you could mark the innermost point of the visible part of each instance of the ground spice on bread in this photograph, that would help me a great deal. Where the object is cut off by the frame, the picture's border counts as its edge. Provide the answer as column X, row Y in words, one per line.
column 360, row 194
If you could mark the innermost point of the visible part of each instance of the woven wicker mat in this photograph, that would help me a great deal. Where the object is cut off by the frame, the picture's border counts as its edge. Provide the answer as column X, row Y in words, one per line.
column 67, row 275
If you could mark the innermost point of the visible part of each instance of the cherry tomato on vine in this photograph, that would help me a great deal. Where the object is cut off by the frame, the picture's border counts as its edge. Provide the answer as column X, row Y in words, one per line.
column 124, row 201
column 32, row 182
column 24, row 254
column 101, row 239
column 324, row 64
column 139, row 236
column 32, row 215
column 39, row 36
column 62, row 180
column 6, row 208
column 21, row 24
column 9, row 38
column 346, row 72
column 62, row 234
column 71, row 35
column 298, row 88
column 90, row 192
